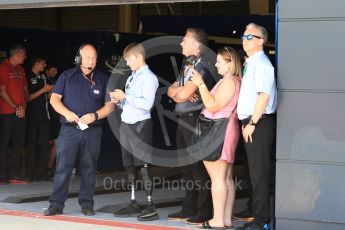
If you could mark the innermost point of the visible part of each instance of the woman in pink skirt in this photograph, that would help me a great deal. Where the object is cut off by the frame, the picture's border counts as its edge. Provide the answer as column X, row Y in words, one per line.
column 221, row 103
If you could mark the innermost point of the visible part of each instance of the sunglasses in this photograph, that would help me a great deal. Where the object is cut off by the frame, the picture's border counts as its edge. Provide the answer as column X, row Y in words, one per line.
column 249, row 37
column 227, row 49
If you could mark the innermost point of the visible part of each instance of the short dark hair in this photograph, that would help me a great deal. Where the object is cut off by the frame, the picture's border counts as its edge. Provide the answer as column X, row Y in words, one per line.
column 36, row 59
column 49, row 66
column 199, row 35
column 15, row 49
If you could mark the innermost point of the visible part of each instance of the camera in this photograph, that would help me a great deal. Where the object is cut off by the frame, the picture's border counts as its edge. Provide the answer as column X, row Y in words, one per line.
column 191, row 60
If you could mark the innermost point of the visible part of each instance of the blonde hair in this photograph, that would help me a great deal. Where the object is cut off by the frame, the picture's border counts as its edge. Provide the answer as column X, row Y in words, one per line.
column 135, row 49
column 231, row 56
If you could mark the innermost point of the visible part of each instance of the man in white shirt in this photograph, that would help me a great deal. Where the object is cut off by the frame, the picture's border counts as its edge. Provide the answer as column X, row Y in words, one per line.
column 256, row 107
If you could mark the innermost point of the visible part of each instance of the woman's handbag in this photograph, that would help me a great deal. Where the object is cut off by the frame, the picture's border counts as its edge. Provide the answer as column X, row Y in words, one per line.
column 208, row 139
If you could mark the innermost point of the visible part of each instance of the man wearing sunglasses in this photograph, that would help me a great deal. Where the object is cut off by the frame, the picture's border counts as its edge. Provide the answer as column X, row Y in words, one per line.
column 256, row 107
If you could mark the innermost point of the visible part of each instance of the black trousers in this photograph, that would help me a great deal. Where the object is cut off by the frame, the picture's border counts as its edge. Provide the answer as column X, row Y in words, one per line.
column 72, row 145
column 38, row 133
column 136, row 143
column 12, row 132
column 197, row 181
column 259, row 163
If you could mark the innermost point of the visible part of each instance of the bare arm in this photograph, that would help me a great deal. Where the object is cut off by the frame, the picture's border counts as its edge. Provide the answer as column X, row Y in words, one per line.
column 224, row 94
column 260, row 106
column 46, row 88
column 185, row 92
column 55, row 101
column 173, row 90
column 101, row 113
column 105, row 110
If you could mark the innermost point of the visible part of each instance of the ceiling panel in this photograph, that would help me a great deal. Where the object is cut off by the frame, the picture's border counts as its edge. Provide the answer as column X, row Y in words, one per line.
column 22, row 4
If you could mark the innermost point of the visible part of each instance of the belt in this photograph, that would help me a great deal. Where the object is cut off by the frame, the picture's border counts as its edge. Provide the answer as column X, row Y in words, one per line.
column 265, row 115
column 268, row 115
column 190, row 114
column 76, row 126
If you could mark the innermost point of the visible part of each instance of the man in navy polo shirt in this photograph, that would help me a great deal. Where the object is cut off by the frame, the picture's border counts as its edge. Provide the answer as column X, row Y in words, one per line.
column 79, row 96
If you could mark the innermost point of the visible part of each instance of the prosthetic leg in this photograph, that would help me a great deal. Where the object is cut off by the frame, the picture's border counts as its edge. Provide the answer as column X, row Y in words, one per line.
column 133, row 209
column 149, row 213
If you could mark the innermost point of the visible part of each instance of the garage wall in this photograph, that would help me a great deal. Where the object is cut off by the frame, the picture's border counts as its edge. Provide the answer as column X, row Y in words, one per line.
column 310, row 191
column 97, row 18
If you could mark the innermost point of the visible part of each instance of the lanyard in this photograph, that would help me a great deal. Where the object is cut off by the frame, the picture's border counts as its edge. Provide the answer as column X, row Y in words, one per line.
column 89, row 79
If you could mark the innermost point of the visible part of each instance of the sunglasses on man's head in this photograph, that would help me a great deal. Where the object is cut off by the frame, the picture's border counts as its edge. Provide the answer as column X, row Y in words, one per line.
column 249, row 37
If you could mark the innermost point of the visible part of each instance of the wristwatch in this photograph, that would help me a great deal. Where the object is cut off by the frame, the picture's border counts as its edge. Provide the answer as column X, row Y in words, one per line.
column 251, row 122
column 202, row 85
column 96, row 116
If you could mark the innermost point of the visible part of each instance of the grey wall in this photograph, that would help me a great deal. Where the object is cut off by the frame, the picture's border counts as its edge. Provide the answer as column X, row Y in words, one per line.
column 310, row 182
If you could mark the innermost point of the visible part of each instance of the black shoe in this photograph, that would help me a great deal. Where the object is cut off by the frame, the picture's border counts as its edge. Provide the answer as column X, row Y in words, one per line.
column 148, row 214
column 131, row 210
column 251, row 226
column 50, row 173
column 45, row 176
column 52, row 211
column 88, row 211
column 206, row 225
column 181, row 215
column 245, row 215
column 197, row 219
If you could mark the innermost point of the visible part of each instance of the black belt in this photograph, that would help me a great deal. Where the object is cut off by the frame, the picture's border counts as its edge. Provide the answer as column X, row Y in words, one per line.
column 190, row 114
column 265, row 115
column 76, row 126
column 268, row 115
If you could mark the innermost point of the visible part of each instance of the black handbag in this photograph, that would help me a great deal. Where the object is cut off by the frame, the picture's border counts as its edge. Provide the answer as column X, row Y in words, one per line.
column 208, row 138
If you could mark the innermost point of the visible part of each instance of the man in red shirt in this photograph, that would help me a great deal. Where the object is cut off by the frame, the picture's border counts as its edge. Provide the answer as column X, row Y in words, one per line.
column 13, row 96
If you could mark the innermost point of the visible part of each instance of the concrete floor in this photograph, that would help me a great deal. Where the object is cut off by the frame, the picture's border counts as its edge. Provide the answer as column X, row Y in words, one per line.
column 29, row 216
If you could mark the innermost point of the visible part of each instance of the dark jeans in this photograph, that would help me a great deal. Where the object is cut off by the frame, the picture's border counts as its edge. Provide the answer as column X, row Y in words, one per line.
column 38, row 133
column 259, row 163
column 12, row 132
column 198, row 197
column 73, row 144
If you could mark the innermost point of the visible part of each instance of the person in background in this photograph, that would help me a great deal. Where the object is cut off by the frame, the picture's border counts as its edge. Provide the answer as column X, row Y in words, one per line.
column 221, row 102
column 13, row 96
column 38, row 120
column 79, row 96
column 257, row 105
column 51, row 75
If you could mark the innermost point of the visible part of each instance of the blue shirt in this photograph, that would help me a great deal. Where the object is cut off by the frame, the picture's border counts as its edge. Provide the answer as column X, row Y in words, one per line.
column 80, row 94
column 258, row 78
column 140, row 90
